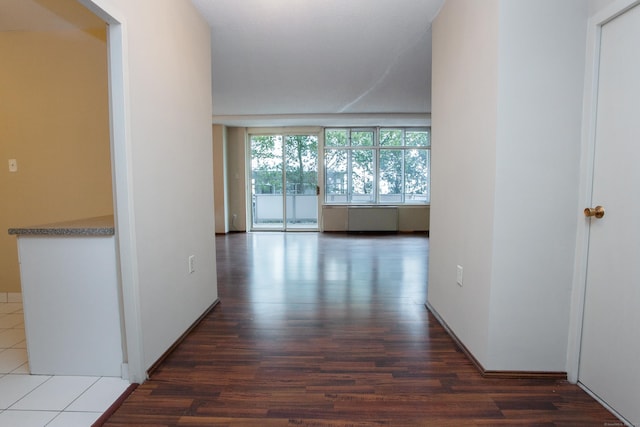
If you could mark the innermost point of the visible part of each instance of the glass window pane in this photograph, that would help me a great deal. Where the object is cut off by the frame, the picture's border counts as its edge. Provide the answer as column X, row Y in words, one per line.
column 336, row 138
column 362, row 138
column 391, row 180
column 362, row 172
column 389, row 166
column 301, row 154
column 336, row 180
column 301, row 173
column 418, row 138
column 266, row 181
column 266, row 164
column 417, row 176
column 391, row 137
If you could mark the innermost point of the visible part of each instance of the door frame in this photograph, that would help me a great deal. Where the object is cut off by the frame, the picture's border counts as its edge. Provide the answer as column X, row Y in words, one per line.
column 587, row 157
column 133, row 368
column 284, row 131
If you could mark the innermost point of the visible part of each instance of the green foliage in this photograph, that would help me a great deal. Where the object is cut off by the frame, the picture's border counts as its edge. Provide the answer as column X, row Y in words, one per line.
column 300, row 163
column 402, row 172
column 391, row 138
column 336, row 172
column 362, row 171
column 336, row 137
column 391, row 171
column 362, row 138
column 421, row 138
column 416, row 172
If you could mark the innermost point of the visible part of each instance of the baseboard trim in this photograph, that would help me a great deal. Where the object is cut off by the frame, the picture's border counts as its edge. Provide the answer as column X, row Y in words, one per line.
column 549, row 375
column 170, row 350
column 114, row 406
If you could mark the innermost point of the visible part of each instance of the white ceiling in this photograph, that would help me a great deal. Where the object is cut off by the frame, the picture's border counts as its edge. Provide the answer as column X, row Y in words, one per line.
column 316, row 59
column 295, row 62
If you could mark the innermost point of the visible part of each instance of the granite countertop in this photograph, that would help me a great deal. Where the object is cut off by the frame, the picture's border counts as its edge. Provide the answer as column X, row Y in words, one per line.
column 98, row 226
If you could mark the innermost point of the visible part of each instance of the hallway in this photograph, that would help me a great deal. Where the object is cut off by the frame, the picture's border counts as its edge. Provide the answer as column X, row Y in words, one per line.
column 331, row 329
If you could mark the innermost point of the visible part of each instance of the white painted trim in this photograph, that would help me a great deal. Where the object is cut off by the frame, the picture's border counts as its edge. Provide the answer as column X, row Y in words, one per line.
column 606, row 406
column 125, row 212
column 590, row 102
column 248, row 191
column 321, row 182
column 284, row 130
column 121, row 160
column 348, row 119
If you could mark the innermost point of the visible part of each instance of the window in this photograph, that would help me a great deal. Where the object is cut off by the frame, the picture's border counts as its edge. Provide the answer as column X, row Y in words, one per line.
column 284, row 180
column 377, row 165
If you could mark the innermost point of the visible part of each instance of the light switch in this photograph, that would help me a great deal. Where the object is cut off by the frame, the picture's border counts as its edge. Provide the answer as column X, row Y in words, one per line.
column 13, row 165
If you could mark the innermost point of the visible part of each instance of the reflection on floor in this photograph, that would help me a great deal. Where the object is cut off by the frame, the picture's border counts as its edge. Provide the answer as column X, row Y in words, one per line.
column 330, row 329
column 42, row 400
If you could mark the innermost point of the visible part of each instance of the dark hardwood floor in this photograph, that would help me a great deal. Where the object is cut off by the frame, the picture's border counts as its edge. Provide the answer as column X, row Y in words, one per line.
column 331, row 330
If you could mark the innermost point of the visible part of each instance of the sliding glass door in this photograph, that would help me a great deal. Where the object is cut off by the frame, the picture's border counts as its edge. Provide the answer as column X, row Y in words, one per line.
column 284, row 181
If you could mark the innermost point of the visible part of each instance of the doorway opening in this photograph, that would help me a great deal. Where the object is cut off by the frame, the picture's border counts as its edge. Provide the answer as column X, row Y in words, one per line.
column 56, row 129
column 284, row 181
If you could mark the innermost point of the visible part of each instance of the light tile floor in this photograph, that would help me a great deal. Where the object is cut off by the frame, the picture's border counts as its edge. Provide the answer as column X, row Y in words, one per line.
column 44, row 400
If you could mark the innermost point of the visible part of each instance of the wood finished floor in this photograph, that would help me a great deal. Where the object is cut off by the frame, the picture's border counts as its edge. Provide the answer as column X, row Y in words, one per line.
column 331, row 330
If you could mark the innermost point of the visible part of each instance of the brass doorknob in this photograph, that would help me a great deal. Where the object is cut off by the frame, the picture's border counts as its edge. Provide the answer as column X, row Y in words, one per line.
column 598, row 212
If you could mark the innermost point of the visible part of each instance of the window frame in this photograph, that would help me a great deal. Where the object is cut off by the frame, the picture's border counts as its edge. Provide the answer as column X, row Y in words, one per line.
column 377, row 149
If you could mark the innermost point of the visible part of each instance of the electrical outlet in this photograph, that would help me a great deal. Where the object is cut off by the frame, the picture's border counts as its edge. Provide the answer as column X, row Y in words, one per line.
column 459, row 275
column 192, row 264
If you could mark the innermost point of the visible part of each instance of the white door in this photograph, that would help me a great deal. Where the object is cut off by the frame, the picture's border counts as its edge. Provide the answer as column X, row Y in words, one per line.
column 610, row 349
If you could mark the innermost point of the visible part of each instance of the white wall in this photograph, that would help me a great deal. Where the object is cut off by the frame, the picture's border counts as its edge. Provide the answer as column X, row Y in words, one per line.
column 505, row 176
column 464, row 119
column 541, row 69
column 168, row 113
column 237, row 181
column 220, row 190
column 597, row 5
